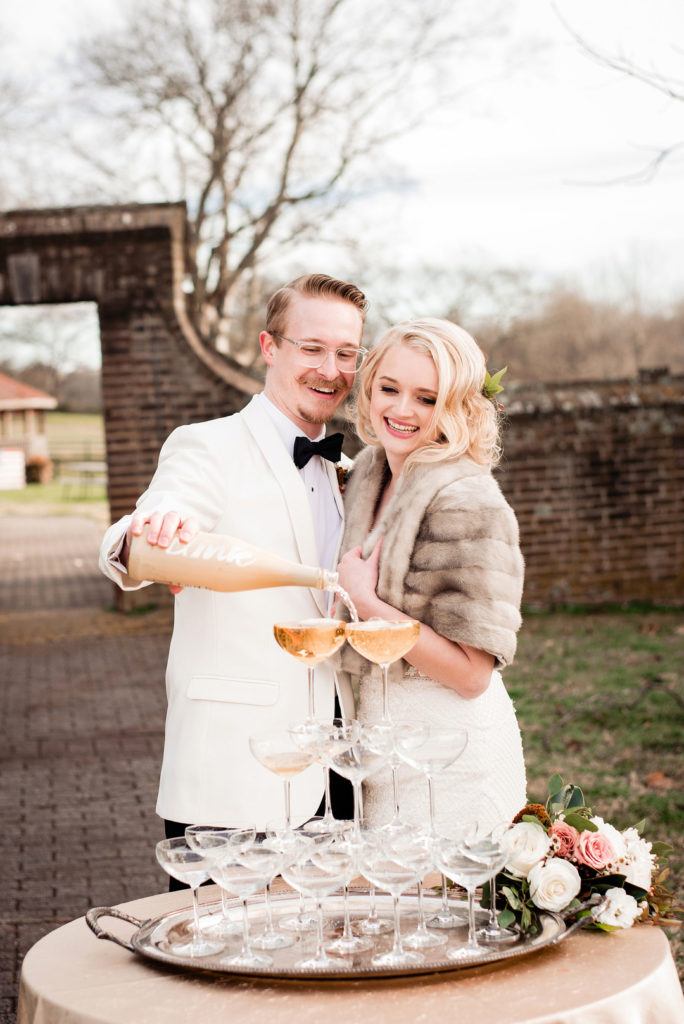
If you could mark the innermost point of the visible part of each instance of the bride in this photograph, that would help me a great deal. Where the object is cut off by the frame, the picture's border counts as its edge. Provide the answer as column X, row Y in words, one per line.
column 429, row 536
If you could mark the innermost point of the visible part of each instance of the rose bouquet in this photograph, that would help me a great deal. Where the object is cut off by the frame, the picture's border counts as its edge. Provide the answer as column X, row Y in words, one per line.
column 561, row 855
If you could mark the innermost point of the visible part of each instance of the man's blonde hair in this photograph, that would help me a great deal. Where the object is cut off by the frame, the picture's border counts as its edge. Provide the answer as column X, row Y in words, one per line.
column 313, row 286
column 464, row 421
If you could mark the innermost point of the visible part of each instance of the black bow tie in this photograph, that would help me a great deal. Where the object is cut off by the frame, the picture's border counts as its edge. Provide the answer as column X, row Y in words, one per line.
column 329, row 448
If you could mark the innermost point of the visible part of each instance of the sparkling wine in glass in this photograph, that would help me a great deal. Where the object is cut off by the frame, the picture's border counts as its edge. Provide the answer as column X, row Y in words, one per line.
column 192, row 867
column 277, row 751
column 383, row 642
column 208, row 837
column 310, row 641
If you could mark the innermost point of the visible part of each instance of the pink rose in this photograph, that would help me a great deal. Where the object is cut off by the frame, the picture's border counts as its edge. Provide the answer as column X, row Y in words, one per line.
column 564, row 839
column 595, row 850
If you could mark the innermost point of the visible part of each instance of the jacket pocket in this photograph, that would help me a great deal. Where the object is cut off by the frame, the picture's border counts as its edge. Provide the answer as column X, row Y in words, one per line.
column 256, row 692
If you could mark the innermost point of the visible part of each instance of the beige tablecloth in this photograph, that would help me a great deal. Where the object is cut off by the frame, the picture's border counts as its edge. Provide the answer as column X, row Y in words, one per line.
column 69, row 977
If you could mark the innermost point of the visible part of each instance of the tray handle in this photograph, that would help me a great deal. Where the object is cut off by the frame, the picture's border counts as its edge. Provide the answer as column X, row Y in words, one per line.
column 595, row 904
column 93, row 918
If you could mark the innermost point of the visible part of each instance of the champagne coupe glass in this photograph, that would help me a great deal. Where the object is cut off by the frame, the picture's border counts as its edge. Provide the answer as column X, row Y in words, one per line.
column 367, row 754
column 203, row 837
column 321, row 738
column 469, row 867
column 289, row 843
column 348, row 943
column 310, row 641
column 430, row 750
column 191, row 867
column 421, row 938
column 393, row 864
column 383, row 642
column 277, row 751
column 269, row 937
column 492, row 847
column 317, row 872
column 243, row 873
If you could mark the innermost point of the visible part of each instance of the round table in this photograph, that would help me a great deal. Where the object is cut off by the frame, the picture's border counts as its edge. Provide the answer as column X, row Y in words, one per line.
column 592, row 978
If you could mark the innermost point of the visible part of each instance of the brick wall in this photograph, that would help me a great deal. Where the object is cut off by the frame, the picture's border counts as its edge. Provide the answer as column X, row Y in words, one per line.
column 155, row 373
column 594, row 471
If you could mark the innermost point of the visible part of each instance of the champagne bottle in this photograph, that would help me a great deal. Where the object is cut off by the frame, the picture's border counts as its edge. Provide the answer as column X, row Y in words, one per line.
column 218, row 562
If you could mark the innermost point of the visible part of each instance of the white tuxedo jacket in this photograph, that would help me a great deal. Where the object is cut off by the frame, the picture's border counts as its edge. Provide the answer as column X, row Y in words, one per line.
column 226, row 676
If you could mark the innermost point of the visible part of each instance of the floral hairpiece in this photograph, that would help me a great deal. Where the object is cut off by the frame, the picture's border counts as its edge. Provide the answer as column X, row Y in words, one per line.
column 492, row 386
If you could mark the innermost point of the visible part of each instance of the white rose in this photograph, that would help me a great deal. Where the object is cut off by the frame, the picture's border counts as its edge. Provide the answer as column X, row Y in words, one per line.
column 525, row 845
column 616, row 839
column 638, row 862
column 554, row 884
column 621, row 909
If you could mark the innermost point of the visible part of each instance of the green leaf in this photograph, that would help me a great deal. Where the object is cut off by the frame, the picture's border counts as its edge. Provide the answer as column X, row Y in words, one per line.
column 662, row 850
column 555, row 785
column 526, row 919
column 640, row 826
column 603, row 882
column 512, row 897
column 575, row 797
column 636, row 891
column 506, row 918
column 533, row 820
column 605, row 927
column 581, row 823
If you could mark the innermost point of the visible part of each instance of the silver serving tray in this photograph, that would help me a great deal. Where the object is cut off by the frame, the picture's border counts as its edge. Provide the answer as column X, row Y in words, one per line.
column 153, row 938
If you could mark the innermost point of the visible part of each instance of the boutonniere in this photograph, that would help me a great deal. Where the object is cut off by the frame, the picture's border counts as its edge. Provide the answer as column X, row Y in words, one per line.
column 342, row 475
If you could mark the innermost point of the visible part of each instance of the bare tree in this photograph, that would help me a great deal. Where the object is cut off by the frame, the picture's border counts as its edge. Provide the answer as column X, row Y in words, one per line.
column 267, row 115
column 666, row 83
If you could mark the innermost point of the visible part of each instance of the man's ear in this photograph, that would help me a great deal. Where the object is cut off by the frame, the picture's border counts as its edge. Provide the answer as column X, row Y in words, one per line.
column 267, row 343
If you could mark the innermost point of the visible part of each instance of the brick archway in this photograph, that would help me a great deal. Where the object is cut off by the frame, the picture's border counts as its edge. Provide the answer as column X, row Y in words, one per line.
column 155, row 373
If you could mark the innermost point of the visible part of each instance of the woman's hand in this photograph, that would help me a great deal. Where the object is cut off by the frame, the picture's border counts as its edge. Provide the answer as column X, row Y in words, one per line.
column 359, row 577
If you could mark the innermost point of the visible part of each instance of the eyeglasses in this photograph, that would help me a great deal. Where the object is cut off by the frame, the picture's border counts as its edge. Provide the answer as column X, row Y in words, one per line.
column 347, row 360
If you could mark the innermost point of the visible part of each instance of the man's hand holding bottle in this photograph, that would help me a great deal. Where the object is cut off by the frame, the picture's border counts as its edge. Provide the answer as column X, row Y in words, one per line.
column 162, row 529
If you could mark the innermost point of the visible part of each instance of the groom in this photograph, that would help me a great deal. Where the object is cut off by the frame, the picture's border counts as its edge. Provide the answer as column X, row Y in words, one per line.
column 226, row 676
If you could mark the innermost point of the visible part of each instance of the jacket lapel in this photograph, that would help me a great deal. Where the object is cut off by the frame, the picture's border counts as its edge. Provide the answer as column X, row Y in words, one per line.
column 285, row 472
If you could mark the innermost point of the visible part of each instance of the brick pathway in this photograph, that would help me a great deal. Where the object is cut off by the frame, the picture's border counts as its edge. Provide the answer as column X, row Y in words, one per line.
column 82, row 705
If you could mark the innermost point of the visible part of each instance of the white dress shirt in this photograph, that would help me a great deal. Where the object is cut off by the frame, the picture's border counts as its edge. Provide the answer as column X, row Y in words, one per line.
column 326, row 517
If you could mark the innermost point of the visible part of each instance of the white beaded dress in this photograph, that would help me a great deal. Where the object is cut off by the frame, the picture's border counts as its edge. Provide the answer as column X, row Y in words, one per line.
column 485, row 786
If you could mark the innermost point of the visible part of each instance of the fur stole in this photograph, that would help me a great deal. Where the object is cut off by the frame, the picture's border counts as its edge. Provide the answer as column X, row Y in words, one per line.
column 450, row 555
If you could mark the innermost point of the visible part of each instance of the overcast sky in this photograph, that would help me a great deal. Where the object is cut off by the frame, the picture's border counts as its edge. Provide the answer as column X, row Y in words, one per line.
column 531, row 170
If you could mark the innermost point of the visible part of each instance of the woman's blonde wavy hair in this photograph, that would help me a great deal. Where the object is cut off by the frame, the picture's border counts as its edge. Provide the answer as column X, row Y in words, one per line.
column 464, row 421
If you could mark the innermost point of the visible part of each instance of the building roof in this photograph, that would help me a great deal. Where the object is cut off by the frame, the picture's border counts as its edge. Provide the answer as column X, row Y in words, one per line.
column 15, row 395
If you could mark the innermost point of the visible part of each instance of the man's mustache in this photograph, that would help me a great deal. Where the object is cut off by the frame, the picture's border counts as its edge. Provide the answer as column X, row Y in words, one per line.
column 324, row 385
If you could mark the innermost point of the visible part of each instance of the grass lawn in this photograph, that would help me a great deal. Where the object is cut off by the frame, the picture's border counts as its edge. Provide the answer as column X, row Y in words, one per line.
column 74, row 435
column 600, row 700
